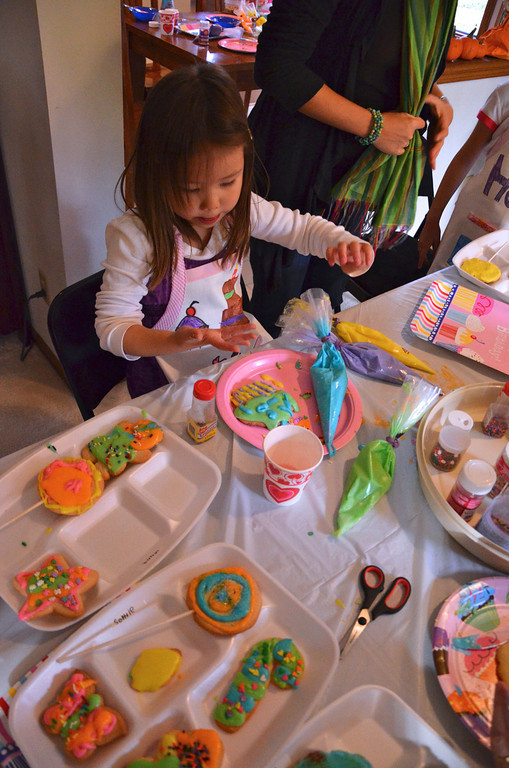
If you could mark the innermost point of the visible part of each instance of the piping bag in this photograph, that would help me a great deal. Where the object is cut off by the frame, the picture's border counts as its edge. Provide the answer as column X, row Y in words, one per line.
column 306, row 324
column 372, row 472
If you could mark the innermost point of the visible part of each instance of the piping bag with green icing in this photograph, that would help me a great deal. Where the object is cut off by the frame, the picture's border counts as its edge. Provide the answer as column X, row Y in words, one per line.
column 307, row 323
column 373, row 470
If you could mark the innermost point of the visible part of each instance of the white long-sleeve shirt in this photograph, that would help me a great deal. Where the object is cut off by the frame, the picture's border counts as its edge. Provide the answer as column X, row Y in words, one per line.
column 129, row 259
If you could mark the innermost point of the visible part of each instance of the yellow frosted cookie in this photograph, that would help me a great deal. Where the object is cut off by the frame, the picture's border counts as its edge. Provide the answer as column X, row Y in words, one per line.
column 154, row 668
column 482, row 270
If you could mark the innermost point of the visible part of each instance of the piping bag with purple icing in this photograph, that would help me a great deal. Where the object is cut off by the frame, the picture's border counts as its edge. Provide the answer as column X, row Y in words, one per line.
column 372, row 472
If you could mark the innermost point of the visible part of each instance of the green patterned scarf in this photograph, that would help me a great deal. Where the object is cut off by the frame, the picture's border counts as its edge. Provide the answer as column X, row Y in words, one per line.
column 381, row 190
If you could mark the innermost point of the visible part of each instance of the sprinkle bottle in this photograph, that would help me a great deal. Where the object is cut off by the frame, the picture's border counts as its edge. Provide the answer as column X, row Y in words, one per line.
column 459, row 419
column 502, row 470
column 451, row 443
column 494, row 524
column 203, row 32
column 496, row 418
column 202, row 418
column 475, row 481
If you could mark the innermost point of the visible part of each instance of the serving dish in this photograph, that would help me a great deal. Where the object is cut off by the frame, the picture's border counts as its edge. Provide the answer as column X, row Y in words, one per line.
column 140, row 517
column 491, row 247
column 436, row 485
column 209, row 663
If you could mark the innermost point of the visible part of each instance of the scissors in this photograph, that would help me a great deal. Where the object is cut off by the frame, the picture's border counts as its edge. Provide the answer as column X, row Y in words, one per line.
column 372, row 580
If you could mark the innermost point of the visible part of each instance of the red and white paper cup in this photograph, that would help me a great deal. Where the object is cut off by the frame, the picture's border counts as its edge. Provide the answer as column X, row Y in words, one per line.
column 168, row 19
column 291, row 454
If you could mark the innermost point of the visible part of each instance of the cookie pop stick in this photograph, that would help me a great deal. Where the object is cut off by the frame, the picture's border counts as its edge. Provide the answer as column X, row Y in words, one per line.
column 122, row 638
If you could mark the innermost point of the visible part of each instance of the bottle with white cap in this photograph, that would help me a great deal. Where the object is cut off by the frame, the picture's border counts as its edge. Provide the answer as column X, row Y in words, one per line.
column 459, row 419
column 475, row 481
column 451, row 444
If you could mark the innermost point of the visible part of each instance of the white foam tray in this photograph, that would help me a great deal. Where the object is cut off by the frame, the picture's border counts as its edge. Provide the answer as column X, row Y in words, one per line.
column 375, row 723
column 485, row 248
column 140, row 517
column 209, row 663
column 436, row 485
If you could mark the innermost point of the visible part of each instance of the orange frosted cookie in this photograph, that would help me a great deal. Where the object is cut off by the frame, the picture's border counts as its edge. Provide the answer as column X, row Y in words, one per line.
column 185, row 749
column 69, row 486
column 54, row 588
column 225, row 601
column 80, row 718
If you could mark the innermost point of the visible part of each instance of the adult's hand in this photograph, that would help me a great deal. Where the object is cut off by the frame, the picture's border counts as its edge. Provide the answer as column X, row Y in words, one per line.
column 429, row 240
column 441, row 118
column 397, row 131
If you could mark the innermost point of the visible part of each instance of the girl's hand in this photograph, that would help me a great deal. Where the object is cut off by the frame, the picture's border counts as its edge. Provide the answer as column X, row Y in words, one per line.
column 354, row 258
column 429, row 240
column 229, row 338
column 397, row 131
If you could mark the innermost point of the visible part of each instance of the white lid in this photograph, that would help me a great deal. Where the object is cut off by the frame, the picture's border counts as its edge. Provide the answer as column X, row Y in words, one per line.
column 477, row 477
column 154, row 23
column 454, row 439
column 460, row 419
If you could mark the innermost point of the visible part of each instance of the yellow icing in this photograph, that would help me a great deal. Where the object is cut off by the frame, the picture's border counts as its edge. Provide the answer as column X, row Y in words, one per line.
column 154, row 667
column 482, row 270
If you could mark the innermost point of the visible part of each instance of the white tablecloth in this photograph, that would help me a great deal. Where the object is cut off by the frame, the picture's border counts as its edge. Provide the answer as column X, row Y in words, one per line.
column 296, row 545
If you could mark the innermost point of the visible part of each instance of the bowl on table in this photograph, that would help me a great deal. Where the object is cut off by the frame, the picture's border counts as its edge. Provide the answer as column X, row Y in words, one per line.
column 225, row 20
column 142, row 13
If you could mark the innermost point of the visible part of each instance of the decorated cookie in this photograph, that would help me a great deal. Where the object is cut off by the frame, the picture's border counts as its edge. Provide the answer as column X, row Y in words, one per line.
column 70, row 486
column 485, row 271
column 185, row 749
column 336, row 759
column 226, row 601
column 267, row 410
column 54, row 588
column 265, row 385
column 80, row 718
column 122, row 446
column 154, row 668
column 274, row 659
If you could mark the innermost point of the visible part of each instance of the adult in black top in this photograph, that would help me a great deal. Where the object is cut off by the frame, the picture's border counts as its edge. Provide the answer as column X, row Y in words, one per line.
column 320, row 65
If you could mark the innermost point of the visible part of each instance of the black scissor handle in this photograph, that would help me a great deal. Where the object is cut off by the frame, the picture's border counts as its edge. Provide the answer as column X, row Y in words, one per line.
column 372, row 581
column 394, row 599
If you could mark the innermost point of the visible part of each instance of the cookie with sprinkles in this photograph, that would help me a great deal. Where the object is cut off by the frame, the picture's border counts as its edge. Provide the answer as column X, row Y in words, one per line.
column 275, row 659
column 54, row 587
column 125, row 444
column 201, row 748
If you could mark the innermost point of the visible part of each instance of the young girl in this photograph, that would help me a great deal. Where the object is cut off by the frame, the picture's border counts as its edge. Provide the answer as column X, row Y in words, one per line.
column 175, row 258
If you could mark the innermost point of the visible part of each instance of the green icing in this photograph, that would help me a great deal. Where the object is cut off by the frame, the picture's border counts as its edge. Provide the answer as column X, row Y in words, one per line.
column 270, row 410
column 114, row 449
column 170, row 761
column 52, row 576
column 335, row 759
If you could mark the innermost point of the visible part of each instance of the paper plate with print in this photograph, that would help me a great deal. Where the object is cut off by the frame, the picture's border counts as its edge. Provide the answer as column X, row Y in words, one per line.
column 239, row 46
column 471, row 624
column 291, row 370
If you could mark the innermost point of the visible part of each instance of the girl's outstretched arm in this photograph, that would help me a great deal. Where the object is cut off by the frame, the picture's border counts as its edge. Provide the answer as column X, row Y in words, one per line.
column 149, row 342
column 354, row 258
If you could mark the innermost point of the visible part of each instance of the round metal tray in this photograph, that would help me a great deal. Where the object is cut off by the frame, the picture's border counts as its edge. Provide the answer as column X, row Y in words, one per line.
column 473, row 399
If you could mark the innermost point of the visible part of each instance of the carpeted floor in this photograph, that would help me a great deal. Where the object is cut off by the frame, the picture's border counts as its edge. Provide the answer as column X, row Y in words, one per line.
column 35, row 403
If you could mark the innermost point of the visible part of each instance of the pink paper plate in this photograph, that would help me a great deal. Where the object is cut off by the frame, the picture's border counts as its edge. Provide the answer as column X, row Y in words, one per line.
column 239, row 46
column 469, row 626
column 292, row 369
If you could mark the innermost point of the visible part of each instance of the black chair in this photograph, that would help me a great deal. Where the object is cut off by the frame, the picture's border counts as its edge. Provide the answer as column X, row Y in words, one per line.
column 90, row 371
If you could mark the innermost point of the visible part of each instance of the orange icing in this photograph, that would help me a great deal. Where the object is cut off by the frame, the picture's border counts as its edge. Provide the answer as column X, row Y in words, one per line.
column 67, row 485
column 100, row 722
column 144, row 439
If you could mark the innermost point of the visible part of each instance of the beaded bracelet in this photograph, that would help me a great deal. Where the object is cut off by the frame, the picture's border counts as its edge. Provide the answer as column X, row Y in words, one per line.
column 376, row 128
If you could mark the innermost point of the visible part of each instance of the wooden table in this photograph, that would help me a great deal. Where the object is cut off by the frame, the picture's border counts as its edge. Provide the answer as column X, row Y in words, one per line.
column 178, row 50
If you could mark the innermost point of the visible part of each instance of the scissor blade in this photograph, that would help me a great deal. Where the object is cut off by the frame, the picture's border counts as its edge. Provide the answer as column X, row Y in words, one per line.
column 361, row 622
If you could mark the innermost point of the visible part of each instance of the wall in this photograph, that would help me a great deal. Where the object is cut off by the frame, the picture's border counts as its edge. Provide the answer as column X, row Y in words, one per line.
column 61, row 129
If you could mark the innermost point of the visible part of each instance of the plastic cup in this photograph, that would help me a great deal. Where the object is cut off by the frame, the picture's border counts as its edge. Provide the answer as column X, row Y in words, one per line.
column 291, row 454
column 168, row 18
column 494, row 524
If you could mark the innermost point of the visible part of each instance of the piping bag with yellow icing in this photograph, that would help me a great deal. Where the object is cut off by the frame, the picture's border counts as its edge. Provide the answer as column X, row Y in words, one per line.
column 373, row 470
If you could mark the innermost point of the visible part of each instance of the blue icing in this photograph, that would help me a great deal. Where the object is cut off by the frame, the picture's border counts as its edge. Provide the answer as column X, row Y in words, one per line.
column 234, row 696
column 272, row 414
column 236, row 612
column 244, row 409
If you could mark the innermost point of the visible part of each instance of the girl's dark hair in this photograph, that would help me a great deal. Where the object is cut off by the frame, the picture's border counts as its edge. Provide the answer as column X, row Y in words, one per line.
column 193, row 108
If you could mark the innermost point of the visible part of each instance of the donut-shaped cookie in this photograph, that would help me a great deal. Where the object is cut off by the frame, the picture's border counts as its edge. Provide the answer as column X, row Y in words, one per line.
column 226, row 601
column 277, row 660
column 185, row 749
column 81, row 719
column 335, row 759
column 70, row 486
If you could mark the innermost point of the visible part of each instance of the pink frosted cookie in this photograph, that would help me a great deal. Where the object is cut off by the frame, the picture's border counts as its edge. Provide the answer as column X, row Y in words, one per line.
column 54, row 588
